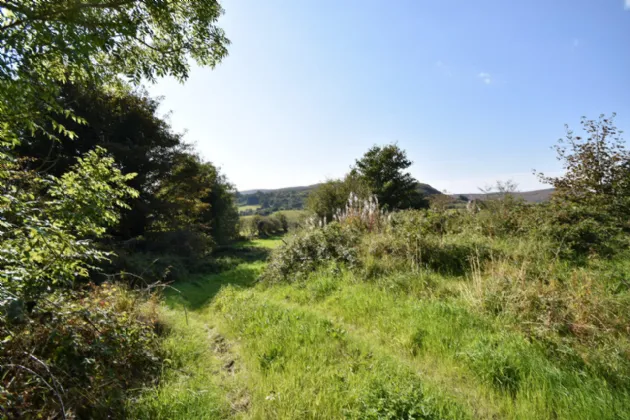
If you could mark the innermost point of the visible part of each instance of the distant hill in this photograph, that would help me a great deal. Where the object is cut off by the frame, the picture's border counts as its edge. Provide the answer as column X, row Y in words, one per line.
column 424, row 188
column 537, row 196
column 428, row 190
column 280, row 190
column 294, row 198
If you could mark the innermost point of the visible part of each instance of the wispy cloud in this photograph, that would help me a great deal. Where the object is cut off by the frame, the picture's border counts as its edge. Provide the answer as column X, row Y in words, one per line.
column 486, row 77
column 444, row 68
column 627, row 5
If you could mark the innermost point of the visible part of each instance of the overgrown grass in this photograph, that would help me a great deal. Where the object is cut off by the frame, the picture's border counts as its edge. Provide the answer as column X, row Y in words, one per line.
column 304, row 365
column 463, row 326
column 485, row 362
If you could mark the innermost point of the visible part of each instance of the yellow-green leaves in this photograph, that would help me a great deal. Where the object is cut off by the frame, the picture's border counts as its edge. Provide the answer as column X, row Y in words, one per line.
column 49, row 43
column 47, row 224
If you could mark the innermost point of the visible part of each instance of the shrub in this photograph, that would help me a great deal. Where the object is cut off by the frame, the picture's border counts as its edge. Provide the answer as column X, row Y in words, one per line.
column 395, row 252
column 77, row 353
column 48, row 224
column 263, row 226
column 283, row 221
column 579, row 231
column 309, row 249
column 591, row 204
column 415, row 240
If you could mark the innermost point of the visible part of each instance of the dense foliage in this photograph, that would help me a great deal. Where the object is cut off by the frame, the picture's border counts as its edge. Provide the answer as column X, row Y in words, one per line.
column 379, row 173
column 272, row 201
column 49, row 224
column 180, row 197
column 263, row 226
column 333, row 194
column 76, row 354
column 63, row 64
column 591, row 204
column 382, row 169
column 46, row 43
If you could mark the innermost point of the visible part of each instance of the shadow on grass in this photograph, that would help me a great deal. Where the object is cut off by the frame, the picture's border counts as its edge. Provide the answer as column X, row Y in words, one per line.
column 238, row 265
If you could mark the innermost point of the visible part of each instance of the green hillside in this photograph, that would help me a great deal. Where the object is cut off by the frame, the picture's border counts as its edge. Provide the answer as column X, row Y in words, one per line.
column 536, row 196
column 267, row 201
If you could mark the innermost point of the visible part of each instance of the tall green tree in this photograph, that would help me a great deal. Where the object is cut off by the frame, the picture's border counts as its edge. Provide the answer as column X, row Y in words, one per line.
column 590, row 206
column 177, row 191
column 333, row 195
column 597, row 169
column 199, row 200
column 126, row 123
column 45, row 43
column 382, row 168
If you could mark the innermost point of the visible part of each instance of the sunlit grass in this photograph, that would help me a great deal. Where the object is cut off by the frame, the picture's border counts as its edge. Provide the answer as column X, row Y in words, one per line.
column 252, row 207
column 336, row 346
column 267, row 243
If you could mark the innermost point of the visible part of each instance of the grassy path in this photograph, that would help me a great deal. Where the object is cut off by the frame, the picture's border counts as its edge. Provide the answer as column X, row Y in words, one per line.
column 335, row 347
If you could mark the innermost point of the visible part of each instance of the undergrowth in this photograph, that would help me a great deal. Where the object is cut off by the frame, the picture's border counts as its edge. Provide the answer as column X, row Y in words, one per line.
column 78, row 354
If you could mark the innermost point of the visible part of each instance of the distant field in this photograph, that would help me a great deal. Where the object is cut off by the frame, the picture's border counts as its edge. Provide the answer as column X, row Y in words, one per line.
column 252, row 207
column 294, row 216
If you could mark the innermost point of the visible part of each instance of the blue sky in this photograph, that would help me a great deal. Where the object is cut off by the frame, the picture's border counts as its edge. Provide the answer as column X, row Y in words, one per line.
column 475, row 91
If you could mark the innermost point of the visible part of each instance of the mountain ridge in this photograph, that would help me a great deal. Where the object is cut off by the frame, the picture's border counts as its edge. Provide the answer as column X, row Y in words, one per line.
column 532, row 196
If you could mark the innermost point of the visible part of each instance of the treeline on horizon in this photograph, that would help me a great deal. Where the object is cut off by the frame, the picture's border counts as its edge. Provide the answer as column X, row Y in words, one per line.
column 297, row 198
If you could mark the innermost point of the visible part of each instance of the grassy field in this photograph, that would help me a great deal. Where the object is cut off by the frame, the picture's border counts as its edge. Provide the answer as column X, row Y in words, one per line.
column 248, row 208
column 294, row 216
column 335, row 346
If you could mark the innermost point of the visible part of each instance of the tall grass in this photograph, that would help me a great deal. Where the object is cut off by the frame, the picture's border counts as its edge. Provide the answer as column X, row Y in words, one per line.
column 425, row 315
column 483, row 361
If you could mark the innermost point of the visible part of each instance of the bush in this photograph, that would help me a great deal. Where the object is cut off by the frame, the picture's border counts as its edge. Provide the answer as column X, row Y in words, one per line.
column 77, row 353
column 309, row 249
column 283, row 221
column 263, row 226
column 579, row 231
column 418, row 239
